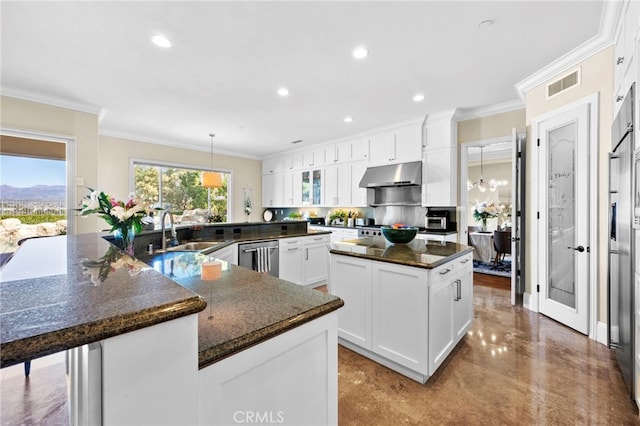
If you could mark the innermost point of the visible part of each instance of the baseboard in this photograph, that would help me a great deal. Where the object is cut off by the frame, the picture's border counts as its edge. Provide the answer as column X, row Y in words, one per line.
column 602, row 333
column 526, row 301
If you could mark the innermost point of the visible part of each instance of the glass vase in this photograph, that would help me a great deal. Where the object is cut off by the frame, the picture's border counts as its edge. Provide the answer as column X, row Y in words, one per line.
column 123, row 237
column 483, row 227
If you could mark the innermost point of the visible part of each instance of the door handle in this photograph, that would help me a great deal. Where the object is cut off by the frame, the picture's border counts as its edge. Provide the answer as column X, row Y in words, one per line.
column 515, row 239
column 579, row 248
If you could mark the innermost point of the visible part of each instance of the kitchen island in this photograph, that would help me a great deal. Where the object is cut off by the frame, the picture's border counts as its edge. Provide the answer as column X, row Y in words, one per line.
column 147, row 350
column 406, row 305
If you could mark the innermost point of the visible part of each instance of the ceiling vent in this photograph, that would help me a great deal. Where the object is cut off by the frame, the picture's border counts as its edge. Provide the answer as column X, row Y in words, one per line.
column 298, row 141
column 564, row 83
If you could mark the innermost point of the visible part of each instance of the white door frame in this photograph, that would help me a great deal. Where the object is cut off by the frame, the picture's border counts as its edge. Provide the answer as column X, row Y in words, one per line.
column 464, row 176
column 533, row 300
column 70, row 160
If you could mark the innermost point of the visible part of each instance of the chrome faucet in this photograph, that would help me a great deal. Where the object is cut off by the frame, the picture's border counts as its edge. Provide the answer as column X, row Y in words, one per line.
column 174, row 239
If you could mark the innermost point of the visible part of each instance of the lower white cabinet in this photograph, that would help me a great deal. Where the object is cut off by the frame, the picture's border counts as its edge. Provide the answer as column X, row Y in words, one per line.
column 341, row 234
column 399, row 318
column 228, row 254
column 316, row 259
column 304, row 260
column 406, row 318
column 290, row 267
column 349, row 281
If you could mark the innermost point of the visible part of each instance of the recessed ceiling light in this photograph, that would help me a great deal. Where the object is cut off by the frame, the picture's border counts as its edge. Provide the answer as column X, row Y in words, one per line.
column 283, row 91
column 360, row 52
column 419, row 97
column 161, row 41
column 348, row 119
column 486, row 23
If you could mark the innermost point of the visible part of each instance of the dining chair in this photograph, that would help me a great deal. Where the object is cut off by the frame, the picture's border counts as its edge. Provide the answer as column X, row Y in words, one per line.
column 501, row 244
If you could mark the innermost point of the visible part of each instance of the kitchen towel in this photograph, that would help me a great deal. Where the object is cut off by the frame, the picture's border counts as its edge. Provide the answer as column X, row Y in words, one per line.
column 259, row 259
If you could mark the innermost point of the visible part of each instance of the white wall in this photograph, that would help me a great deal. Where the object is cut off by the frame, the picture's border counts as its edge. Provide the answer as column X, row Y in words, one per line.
column 115, row 156
column 102, row 162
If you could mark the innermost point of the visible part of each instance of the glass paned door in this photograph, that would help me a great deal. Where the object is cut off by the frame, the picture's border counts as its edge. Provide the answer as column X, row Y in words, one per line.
column 306, row 188
column 561, row 213
column 563, row 228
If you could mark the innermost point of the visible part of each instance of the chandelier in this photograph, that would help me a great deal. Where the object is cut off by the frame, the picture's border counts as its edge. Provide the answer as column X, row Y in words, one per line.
column 211, row 179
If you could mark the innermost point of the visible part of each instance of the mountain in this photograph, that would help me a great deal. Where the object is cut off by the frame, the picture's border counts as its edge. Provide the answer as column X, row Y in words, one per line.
column 38, row 192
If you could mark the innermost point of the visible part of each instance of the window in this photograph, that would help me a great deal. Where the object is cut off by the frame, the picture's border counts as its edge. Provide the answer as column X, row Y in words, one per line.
column 179, row 190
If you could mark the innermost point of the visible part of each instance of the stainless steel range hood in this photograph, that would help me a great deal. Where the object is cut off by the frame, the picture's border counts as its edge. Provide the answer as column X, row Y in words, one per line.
column 403, row 174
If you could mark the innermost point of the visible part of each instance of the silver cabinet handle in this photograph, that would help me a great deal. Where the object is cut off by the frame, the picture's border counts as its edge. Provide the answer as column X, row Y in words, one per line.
column 445, row 272
column 293, row 249
column 317, row 239
column 458, row 295
column 307, row 254
column 465, row 261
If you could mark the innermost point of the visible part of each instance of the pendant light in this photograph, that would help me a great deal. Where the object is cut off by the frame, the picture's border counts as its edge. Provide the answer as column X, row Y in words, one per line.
column 481, row 184
column 211, row 179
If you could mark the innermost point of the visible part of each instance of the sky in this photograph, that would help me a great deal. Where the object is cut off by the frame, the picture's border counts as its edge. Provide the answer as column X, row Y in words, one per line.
column 24, row 172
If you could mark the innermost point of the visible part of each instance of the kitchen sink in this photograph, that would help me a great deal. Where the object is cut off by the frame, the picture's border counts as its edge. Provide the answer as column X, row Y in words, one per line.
column 199, row 246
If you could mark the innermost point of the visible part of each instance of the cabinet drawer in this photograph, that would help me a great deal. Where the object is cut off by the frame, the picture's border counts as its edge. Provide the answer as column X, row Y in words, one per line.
column 450, row 269
column 290, row 243
column 318, row 239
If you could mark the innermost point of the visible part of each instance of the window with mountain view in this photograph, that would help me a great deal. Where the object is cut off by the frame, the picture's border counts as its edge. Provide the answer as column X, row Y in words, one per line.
column 180, row 191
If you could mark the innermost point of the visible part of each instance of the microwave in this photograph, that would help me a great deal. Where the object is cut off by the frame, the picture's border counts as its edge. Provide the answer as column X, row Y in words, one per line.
column 436, row 223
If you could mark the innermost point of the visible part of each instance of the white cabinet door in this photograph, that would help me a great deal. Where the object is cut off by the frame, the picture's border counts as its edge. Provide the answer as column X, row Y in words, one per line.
column 400, row 317
column 338, row 153
column 408, row 143
column 314, row 157
column 439, row 181
column 271, row 165
column 315, row 259
column 227, row 254
column 290, row 267
column 268, row 182
column 337, row 192
column 463, row 306
column 287, row 189
column 441, row 314
column 358, row 195
column 360, row 149
column 351, row 281
column 292, row 162
column 382, row 148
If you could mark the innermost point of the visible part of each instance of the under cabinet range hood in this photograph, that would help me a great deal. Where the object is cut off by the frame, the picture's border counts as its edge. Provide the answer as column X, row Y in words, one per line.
column 403, row 174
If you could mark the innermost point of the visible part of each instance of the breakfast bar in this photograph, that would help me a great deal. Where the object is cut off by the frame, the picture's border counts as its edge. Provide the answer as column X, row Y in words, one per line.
column 174, row 348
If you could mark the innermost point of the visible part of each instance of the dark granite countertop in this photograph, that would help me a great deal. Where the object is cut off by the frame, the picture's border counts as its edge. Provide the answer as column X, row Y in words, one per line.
column 244, row 307
column 62, row 292
column 73, row 297
column 420, row 253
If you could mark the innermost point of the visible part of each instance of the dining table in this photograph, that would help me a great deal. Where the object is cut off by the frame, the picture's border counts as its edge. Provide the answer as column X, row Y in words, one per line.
column 483, row 249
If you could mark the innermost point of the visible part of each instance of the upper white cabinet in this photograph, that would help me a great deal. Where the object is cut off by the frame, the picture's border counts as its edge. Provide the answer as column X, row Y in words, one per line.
column 272, row 190
column 271, row 165
column 360, row 149
column 440, row 160
column 358, row 195
column 292, row 162
column 338, row 153
column 439, row 177
column 399, row 145
column 313, row 157
column 337, row 192
column 625, row 61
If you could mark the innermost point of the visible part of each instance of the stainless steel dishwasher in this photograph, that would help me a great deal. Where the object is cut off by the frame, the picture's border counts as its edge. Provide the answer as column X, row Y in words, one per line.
column 258, row 255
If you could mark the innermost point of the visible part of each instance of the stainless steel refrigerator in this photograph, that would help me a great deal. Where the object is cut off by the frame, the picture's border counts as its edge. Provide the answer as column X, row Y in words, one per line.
column 620, row 277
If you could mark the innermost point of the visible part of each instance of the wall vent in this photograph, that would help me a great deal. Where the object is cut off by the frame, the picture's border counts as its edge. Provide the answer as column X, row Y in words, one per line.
column 564, row 83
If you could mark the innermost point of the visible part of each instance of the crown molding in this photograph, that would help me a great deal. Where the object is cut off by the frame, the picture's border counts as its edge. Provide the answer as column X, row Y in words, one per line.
column 485, row 111
column 611, row 10
column 164, row 142
column 53, row 101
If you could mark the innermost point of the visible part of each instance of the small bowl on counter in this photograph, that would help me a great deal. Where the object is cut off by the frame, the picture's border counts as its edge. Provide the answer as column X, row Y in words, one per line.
column 399, row 235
